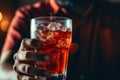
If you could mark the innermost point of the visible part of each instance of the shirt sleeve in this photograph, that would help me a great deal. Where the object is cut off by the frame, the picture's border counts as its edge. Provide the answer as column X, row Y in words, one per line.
column 19, row 29
column 20, row 25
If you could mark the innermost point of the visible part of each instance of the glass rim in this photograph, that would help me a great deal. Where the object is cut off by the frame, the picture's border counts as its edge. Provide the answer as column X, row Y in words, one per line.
column 50, row 17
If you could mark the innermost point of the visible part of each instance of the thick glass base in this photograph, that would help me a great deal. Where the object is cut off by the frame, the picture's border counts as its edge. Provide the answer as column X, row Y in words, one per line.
column 54, row 77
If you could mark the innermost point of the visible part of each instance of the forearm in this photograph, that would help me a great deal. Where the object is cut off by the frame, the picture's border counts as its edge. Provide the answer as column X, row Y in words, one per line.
column 6, row 66
column 6, row 60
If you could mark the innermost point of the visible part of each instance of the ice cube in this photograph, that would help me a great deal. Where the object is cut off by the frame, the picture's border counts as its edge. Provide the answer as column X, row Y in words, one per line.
column 42, row 27
column 49, row 35
column 45, row 35
column 56, row 26
column 39, row 35
column 52, row 26
column 63, row 28
column 63, row 43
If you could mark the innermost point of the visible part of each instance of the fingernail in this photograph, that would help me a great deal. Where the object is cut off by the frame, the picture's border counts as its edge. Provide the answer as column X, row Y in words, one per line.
column 47, row 58
column 37, row 43
column 47, row 73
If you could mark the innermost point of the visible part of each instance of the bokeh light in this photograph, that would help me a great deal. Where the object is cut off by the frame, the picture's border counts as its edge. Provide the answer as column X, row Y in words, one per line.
column 0, row 16
column 4, row 25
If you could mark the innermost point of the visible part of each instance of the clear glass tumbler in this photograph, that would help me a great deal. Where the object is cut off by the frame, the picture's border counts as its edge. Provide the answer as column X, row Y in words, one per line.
column 56, row 34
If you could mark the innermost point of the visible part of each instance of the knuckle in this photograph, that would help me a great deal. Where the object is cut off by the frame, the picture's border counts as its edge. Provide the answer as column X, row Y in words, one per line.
column 22, row 55
column 15, row 65
column 15, row 56
column 26, row 55
column 23, row 68
column 25, row 42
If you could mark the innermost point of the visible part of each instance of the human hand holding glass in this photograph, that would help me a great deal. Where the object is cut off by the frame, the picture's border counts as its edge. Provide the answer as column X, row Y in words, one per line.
column 25, row 60
column 51, row 61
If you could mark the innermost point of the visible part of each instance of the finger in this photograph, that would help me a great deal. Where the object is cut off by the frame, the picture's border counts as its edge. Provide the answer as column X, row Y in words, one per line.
column 73, row 48
column 15, row 56
column 30, row 78
column 32, row 56
column 27, row 69
column 15, row 65
column 30, row 43
column 17, row 62
column 23, row 77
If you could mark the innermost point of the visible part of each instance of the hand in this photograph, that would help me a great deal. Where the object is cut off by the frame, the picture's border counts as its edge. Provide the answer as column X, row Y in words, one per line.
column 25, row 60
column 26, row 56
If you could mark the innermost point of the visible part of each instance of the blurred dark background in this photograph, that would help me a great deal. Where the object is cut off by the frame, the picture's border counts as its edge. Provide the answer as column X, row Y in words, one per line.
column 7, row 9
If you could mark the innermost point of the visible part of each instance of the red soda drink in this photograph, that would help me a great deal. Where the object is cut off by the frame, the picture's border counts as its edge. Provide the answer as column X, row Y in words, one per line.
column 56, row 35
column 58, row 50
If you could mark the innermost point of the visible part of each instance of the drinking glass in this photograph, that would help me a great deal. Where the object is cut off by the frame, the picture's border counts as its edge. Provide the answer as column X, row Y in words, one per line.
column 56, row 34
